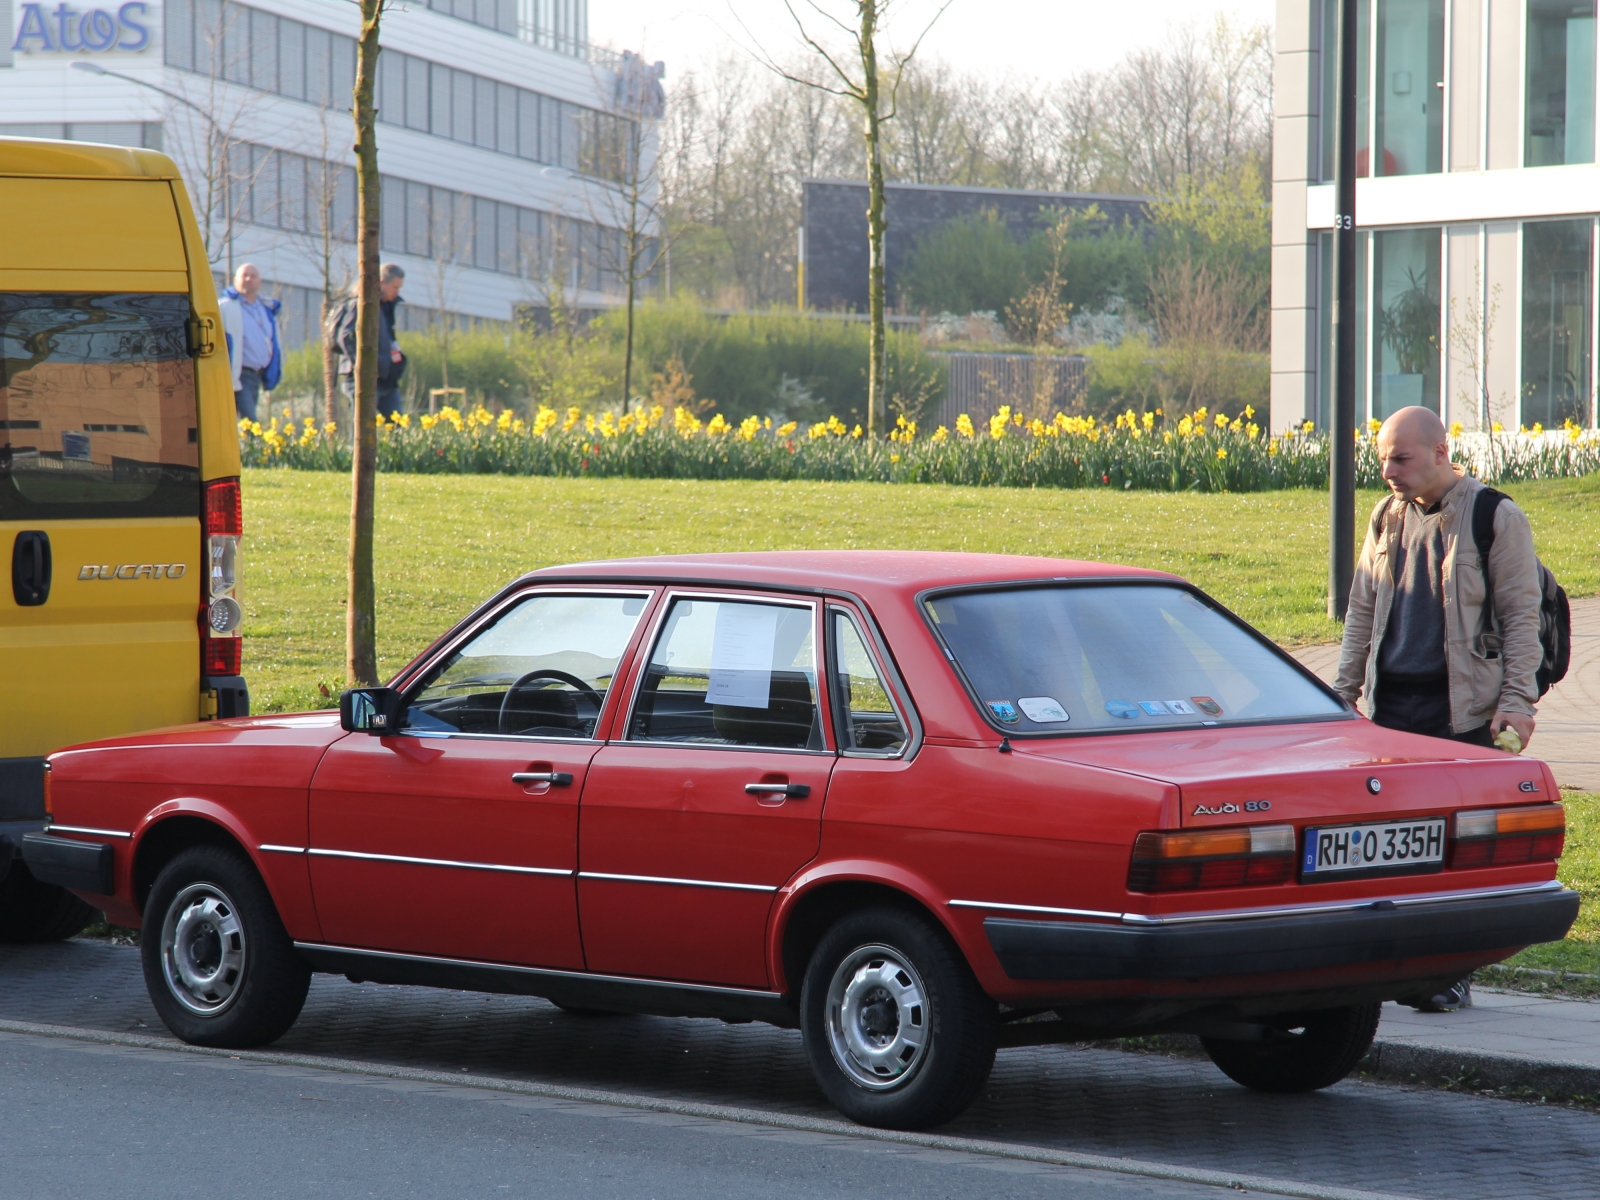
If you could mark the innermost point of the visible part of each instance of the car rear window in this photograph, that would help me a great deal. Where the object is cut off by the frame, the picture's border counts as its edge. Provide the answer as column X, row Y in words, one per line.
column 97, row 406
column 1098, row 658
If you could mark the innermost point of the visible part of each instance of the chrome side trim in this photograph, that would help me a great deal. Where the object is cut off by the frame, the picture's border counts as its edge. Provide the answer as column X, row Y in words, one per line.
column 544, row 972
column 86, row 829
column 282, row 849
column 1300, row 910
column 705, row 883
column 1249, row 914
column 435, row 862
column 1038, row 908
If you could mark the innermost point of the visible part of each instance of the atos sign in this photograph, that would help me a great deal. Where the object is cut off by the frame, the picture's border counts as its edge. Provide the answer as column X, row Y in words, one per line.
column 74, row 30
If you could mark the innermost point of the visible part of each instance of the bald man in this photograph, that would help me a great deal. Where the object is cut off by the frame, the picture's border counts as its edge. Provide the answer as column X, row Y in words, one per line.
column 1419, row 640
column 250, row 331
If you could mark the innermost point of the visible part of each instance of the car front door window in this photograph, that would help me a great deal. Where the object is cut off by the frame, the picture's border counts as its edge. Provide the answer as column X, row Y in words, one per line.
column 542, row 669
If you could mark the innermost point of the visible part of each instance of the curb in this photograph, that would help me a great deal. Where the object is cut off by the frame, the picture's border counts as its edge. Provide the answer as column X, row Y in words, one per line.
column 1406, row 1062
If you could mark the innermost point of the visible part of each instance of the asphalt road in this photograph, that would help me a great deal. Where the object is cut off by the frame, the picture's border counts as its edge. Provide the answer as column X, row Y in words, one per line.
column 417, row 1092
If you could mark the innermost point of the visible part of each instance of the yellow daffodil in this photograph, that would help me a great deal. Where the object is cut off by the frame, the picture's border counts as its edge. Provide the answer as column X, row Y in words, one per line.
column 964, row 426
column 1221, row 453
column 941, row 434
column 787, row 428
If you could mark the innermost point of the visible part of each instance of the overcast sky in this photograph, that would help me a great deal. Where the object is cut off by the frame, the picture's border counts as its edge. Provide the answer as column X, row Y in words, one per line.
column 1042, row 38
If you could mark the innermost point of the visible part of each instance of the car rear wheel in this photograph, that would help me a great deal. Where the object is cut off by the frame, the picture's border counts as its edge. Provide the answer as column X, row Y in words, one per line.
column 1319, row 1050
column 220, row 968
column 31, row 911
column 896, row 1028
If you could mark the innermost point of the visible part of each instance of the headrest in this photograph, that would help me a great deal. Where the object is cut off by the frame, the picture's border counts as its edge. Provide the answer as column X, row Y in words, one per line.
column 786, row 721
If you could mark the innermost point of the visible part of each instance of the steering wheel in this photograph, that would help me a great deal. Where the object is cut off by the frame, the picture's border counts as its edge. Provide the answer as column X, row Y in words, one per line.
column 558, row 676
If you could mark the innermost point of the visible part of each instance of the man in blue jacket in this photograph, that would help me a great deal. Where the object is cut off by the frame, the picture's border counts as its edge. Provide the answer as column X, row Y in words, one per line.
column 250, row 324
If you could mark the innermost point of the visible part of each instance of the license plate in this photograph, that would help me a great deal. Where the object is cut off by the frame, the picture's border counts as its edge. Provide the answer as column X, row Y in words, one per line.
column 1383, row 846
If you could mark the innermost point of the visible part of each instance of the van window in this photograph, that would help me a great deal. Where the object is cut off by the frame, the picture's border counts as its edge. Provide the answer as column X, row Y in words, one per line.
column 97, row 407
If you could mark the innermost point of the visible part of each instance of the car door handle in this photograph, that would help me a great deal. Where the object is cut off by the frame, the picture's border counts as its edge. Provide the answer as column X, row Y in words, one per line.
column 795, row 791
column 559, row 778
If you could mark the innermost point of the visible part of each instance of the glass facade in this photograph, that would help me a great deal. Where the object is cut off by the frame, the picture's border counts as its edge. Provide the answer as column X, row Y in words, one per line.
column 1557, row 311
column 1559, row 107
column 1406, row 314
column 1409, row 122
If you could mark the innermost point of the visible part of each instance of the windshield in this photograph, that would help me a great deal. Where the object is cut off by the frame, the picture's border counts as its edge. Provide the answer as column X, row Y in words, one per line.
column 1107, row 657
column 97, row 407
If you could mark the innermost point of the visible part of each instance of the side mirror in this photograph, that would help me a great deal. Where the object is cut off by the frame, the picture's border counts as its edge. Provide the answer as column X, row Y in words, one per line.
column 374, row 710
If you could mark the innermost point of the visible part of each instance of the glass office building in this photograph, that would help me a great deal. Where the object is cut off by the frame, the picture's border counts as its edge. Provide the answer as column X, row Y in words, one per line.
column 1477, row 197
column 504, row 138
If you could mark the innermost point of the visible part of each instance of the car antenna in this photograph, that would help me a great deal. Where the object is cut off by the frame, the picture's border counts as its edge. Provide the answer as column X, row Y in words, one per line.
column 1005, row 745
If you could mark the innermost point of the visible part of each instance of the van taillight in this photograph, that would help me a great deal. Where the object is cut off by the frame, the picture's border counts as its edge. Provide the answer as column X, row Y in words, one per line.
column 224, row 523
column 1502, row 837
column 1212, row 858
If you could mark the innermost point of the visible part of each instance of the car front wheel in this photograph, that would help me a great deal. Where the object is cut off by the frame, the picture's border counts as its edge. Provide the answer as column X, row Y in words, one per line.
column 220, row 968
column 1316, row 1051
column 896, row 1028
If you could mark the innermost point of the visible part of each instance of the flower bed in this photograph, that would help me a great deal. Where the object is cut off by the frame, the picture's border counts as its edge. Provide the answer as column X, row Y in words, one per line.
column 1204, row 452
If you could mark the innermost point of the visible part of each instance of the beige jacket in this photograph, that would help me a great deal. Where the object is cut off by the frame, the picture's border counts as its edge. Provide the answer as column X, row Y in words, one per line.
column 1489, row 670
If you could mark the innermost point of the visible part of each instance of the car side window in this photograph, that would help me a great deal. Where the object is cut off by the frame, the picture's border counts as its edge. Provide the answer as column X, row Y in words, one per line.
column 732, row 673
column 867, row 718
column 541, row 669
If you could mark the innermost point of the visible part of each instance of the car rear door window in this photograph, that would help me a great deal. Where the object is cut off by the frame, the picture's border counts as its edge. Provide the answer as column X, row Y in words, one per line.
column 97, row 407
column 732, row 673
column 868, row 722
column 542, row 668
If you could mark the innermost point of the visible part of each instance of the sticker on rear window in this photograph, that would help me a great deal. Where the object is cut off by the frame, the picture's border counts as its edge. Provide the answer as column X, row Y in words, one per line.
column 1156, row 708
column 1121, row 708
column 1004, row 712
column 1207, row 705
column 1182, row 707
column 1042, row 709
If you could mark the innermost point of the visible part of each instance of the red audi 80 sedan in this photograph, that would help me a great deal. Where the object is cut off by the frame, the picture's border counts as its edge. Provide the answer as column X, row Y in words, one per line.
column 919, row 806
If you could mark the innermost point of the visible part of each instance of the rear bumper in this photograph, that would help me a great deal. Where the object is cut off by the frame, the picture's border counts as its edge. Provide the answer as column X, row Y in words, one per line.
column 80, row 866
column 1222, row 948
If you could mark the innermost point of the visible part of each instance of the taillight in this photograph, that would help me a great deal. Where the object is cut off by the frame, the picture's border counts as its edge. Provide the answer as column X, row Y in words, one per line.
column 1501, row 837
column 1245, row 856
column 49, row 804
column 224, row 523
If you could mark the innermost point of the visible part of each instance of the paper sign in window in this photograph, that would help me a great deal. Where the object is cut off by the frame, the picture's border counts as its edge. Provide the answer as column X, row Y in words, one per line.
column 741, row 656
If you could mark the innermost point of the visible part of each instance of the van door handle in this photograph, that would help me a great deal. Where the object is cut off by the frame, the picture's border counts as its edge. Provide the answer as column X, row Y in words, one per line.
column 795, row 791
column 559, row 778
column 30, row 568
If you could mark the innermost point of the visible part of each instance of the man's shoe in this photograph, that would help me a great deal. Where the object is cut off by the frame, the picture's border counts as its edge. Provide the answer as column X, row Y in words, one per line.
column 1458, row 995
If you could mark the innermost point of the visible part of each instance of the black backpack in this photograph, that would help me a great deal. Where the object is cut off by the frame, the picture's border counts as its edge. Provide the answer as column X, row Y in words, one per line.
column 1555, row 617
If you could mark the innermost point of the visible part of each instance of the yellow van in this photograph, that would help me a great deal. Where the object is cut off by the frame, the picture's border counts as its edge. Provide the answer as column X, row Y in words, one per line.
column 119, row 479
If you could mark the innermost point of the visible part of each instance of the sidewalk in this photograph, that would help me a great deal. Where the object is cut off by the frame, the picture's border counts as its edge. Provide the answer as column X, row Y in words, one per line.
column 1506, row 1039
column 1568, row 732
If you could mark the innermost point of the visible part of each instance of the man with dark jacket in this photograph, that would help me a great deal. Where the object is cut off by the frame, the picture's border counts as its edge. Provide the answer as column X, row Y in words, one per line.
column 1433, row 652
column 391, row 362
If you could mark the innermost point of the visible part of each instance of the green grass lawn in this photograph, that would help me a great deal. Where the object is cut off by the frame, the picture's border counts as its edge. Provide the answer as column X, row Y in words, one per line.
column 444, row 542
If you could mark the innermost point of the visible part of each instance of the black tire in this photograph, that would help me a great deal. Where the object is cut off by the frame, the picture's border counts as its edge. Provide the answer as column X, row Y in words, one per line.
column 31, row 911
column 1326, row 1048
column 892, row 983
column 220, row 968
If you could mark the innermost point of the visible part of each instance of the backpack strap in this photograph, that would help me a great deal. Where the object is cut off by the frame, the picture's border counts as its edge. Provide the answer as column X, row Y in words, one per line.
column 1484, row 505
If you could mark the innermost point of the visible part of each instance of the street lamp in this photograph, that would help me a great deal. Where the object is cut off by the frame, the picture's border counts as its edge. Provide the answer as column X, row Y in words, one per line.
column 1342, row 426
column 214, row 139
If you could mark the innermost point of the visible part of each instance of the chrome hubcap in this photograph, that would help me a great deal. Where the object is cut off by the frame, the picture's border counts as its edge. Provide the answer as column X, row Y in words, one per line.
column 203, row 949
column 878, row 1017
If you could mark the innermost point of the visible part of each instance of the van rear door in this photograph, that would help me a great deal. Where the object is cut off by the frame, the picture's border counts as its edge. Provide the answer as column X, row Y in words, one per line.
column 99, row 464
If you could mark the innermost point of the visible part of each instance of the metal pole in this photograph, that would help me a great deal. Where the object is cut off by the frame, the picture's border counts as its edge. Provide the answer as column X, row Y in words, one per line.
column 1342, row 434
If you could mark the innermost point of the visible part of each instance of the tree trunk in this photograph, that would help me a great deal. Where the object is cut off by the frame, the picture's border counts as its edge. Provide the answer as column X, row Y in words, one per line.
column 627, row 352
column 361, row 657
column 877, row 363
column 330, row 368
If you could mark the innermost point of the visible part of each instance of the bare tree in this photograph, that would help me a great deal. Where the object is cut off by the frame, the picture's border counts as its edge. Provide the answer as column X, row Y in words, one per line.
column 859, row 80
column 452, row 234
column 331, row 222
column 361, row 649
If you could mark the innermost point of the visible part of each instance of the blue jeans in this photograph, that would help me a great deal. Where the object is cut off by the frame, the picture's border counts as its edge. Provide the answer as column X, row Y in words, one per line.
column 244, row 400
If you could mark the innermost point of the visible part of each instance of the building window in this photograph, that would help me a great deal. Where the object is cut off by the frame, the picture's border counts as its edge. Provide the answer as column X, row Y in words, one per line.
column 1556, row 312
column 1410, row 69
column 1560, row 101
column 1405, row 327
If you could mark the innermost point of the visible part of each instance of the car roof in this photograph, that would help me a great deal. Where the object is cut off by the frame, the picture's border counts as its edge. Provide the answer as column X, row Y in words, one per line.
column 863, row 572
